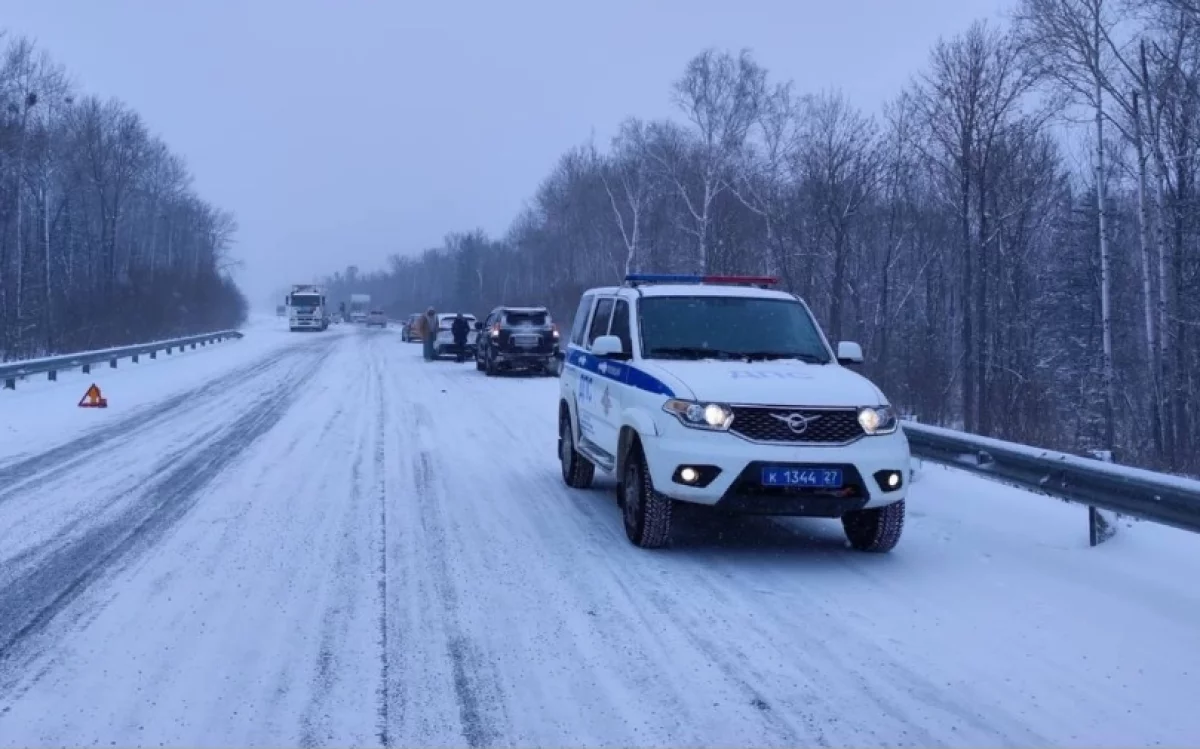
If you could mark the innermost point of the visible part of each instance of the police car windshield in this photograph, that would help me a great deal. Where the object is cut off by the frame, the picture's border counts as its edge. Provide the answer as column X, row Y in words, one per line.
column 733, row 327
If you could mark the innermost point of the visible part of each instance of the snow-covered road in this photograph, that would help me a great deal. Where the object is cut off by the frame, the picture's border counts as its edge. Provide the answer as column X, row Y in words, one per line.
column 321, row 540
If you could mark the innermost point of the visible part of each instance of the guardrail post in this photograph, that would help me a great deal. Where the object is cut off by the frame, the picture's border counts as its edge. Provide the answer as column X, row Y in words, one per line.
column 193, row 347
column 87, row 368
column 912, row 469
column 153, row 354
column 135, row 358
column 53, row 375
column 169, row 350
column 112, row 364
column 10, row 383
column 1101, row 525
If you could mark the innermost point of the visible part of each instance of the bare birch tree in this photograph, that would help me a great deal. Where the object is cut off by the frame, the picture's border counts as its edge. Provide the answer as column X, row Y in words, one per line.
column 721, row 96
column 629, row 182
column 101, row 239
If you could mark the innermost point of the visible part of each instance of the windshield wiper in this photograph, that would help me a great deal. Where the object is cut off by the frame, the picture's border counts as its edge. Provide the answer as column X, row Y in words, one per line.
column 772, row 355
column 692, row 352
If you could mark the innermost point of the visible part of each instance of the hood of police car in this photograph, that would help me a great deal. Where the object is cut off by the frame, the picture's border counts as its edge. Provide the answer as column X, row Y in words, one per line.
column 781, row 382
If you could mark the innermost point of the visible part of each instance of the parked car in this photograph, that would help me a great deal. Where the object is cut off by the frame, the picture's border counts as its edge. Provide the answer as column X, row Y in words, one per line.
column 443, row 343
column 517, row 339
column 409, row 331
column 721, row 391
column 376, row 319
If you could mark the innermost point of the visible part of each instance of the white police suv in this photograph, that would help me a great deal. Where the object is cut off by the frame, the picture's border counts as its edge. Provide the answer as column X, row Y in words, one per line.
column 721, row 391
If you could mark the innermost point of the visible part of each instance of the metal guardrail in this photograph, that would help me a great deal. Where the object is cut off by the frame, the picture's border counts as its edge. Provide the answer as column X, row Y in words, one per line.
column 1160, row 498
column 12, row 371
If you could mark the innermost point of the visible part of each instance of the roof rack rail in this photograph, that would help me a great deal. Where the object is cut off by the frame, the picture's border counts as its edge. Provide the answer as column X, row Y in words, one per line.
column 640, row 279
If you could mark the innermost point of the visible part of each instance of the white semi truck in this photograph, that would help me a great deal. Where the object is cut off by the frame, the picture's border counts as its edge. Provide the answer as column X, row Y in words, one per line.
column 360, row 305
column 307, row 309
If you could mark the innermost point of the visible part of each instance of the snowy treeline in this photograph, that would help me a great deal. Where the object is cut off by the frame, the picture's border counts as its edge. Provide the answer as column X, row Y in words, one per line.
column 102, row 240
column 1010, row 267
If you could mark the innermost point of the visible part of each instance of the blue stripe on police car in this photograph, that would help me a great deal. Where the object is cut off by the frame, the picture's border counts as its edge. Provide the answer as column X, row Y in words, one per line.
column 621, row 372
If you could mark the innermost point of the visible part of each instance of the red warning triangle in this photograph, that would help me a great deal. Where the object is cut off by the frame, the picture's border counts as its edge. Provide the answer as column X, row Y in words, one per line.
column 93, row 399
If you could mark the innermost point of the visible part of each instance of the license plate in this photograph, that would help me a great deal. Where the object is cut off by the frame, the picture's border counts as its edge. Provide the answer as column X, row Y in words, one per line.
column 819, row 478
column 525, row 341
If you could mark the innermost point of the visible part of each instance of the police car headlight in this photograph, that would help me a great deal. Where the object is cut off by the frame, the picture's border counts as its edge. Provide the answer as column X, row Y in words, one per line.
column 698, row 415
column 878, row 420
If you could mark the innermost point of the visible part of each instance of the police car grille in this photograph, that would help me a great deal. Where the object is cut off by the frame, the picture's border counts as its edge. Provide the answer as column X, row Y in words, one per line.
column 824, row 426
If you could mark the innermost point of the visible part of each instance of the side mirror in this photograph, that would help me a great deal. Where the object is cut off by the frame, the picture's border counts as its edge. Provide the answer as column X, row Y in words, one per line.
column 849, row 352
column 607, row 347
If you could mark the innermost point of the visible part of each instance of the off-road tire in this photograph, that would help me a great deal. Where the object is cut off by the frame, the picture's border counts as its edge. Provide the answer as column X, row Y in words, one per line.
column 577, row 471
column 645, row 513
column 876, row 530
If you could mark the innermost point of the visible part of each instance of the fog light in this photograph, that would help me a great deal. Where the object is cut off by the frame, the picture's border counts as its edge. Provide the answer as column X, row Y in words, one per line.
column 695, row 476
column 889, row 481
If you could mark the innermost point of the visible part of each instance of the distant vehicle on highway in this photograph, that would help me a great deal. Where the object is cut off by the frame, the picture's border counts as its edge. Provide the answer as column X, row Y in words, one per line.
column 443, row 344
column 359, row 306
column 517, row 338
column 409, row 330
column 307, row 309
column 376, row 319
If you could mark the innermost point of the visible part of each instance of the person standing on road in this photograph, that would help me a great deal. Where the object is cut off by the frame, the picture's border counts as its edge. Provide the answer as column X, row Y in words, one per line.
column 429, row 326
column 460, row 328
column 418, row 330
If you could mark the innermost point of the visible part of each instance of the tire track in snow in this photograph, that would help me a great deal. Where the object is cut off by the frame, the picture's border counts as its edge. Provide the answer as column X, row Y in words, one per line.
column 477, row 695
column 824, row 659
column 35, row 599
column 319, row 721
column 314, row 722
column 743, row 675
column 17, row 476
column 46, row 513
column 381, row 491
column 733, row 666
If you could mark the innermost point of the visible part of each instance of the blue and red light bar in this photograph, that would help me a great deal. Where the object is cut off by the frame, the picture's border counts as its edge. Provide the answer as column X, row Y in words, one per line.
column 636, row 278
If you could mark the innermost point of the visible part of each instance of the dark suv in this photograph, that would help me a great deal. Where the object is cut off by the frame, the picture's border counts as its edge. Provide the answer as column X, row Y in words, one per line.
column 516, row 338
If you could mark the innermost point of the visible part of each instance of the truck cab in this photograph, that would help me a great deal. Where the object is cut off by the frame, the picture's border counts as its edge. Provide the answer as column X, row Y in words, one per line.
column 307, row 309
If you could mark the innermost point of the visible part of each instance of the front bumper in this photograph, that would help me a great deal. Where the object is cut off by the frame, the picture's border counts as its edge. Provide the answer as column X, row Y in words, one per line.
column 306, row 323
column 738, row 465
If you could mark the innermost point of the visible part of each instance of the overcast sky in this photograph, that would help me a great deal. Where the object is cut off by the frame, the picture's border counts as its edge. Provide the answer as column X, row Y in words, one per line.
column 343, row 131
